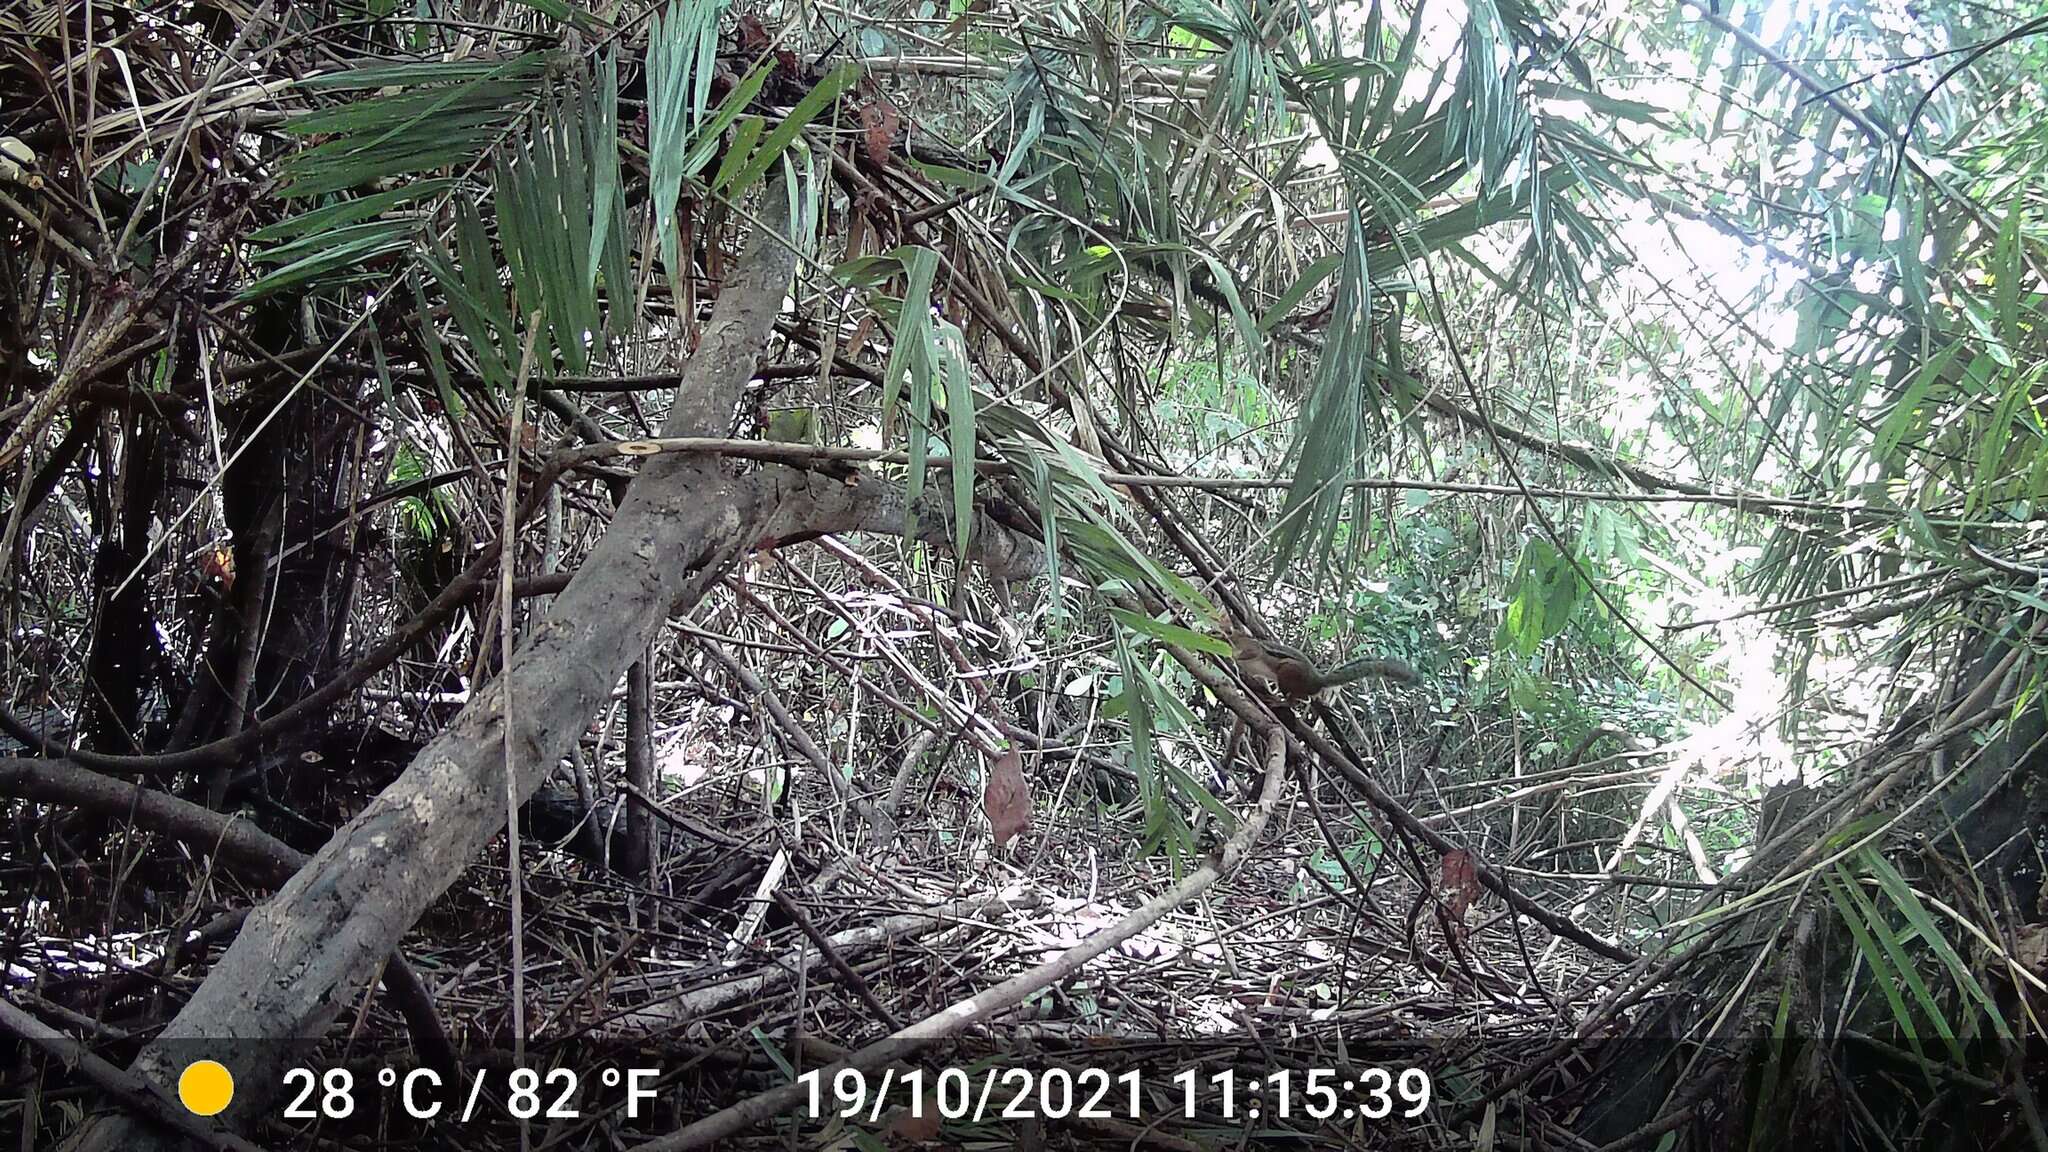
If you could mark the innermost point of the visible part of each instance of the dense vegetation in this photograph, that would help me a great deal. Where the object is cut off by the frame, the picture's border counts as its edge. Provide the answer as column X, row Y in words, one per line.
column 811, row 463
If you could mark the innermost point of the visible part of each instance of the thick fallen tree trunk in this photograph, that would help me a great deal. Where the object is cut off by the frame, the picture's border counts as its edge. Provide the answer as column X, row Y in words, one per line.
column 306, row 954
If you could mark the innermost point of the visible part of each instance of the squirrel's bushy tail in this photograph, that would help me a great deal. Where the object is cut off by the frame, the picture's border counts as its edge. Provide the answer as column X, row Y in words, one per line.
column 1364, row 666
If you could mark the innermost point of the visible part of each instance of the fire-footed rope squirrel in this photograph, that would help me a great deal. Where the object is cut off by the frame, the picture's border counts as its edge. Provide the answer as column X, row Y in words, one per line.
column 1296, row 676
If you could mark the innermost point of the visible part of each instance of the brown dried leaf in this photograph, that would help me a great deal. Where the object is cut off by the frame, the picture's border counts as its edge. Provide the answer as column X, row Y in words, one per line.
column 1006, row 797
column 857, row 228
column 1460, row 882
column 879, row 121
column 753, row 35
column 858, row 342
column 2032, row 948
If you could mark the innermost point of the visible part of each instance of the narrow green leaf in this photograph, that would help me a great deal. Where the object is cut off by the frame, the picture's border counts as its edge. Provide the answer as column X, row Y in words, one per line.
column 1904, row 414
column 1907, row 902
column 470, row 316
column 342, row 213
column 345, row 253
column 867, row 271
column 737, row 155
column 922, row 361
column 960, row 437
column 919, row 266
column 425, row 72
column 437, row 359
column 1311, row 276
column 1171, row 633
column 1901, row 964
column 729, row 110
column 1041, row 484
column 377, row 360
column 807, row 109
column 1875, row 958
column 1247, row 332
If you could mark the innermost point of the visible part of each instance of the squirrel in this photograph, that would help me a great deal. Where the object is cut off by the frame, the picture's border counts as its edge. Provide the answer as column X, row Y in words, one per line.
column 1296, row 676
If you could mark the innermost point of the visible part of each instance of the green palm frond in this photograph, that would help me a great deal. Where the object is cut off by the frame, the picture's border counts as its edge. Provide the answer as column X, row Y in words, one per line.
column 442, row 117
column 1334, row 434
column 682, row 53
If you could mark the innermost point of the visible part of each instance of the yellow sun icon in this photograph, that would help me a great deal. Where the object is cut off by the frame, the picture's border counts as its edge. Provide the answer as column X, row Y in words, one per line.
column 206, row 1086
